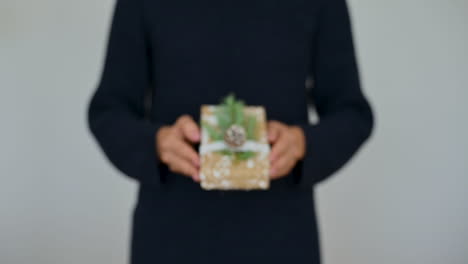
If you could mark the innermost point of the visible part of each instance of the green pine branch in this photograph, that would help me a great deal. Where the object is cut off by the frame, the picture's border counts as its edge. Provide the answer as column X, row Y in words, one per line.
column 229, row 112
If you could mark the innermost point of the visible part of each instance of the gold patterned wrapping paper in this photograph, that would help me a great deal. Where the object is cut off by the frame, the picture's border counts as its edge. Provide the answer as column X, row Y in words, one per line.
column 224, row 172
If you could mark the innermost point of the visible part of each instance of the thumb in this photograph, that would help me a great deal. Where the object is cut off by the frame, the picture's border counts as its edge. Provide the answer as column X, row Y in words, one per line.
column 189, row 129
column 273, row 131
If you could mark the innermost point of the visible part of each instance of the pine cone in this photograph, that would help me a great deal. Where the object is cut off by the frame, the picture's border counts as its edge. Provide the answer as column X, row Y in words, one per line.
column 235, row 136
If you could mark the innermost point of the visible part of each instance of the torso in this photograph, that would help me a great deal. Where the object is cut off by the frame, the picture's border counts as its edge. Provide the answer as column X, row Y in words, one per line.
column 201, row 51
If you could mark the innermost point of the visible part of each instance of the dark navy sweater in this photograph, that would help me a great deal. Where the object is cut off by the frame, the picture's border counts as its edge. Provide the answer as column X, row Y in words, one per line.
column 182, row 54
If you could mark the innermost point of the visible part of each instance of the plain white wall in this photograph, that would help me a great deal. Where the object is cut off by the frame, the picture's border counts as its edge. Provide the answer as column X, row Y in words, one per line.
column 403, row 199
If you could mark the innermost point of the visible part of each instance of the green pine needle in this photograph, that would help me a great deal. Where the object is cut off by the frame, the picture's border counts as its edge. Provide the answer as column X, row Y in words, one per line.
column 213, row 132
column 238, row 155
column 223, row 117
column 250, row 125
column 229, row 112
column 245, row 155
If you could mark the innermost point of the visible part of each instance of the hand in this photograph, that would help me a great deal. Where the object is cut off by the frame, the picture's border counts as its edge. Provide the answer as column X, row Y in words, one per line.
column 174, row 147
column 288, row 147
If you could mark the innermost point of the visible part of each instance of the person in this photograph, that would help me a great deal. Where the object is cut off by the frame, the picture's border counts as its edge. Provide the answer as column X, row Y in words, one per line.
column 182, row 54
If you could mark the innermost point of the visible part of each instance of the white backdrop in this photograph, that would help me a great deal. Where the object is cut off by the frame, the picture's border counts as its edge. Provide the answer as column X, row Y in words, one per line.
column 403, row 199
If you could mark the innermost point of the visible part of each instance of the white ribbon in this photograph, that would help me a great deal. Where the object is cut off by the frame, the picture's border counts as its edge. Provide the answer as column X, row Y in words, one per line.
column 249, row 145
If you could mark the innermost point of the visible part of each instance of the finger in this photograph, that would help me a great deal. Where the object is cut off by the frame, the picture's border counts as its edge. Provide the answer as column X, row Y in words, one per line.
column 196, row 177
column 300, row 141
column 281, row 167
column 179, row 165
column 280, row 147
column 163, row 138
column 274, row 130
column 189, row 128
column 185, row 151
column 165, row 157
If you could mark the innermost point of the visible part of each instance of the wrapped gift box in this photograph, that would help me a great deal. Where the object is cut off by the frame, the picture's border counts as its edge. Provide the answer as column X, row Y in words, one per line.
column 234, row 147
